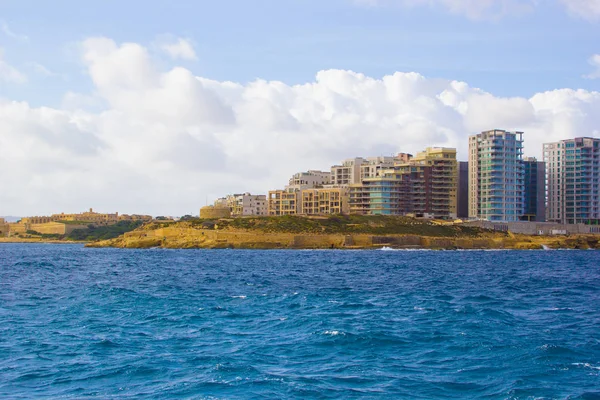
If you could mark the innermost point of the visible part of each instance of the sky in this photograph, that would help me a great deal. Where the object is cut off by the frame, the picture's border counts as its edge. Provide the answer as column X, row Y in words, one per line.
column 160, row 107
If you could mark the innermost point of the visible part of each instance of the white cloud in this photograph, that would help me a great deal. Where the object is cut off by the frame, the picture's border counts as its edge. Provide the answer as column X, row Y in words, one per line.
column 162, row 141
column 595, row 63
column 177, row 48
column 587, row 9
column 8, row 32
column 8, row 73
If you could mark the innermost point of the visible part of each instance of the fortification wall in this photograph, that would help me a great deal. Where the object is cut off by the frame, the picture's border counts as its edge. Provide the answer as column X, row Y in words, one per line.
column 536, row 228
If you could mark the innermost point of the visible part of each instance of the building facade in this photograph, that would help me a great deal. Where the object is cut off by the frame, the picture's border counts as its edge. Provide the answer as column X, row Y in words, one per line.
column 462, row 199
column 284, row 202
column 496, row 175
column 324, row 201
column 309, row 179
column 573, row 181
column 244, row 204
column 534, row 190
column 425, row 184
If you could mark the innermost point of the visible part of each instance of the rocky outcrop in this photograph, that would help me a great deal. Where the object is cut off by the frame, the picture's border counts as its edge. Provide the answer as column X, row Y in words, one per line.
column 182, row 236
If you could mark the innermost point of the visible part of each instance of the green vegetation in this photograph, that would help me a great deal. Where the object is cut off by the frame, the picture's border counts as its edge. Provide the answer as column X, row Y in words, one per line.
column 52, row 236
column 103, row 232
column 338, row 224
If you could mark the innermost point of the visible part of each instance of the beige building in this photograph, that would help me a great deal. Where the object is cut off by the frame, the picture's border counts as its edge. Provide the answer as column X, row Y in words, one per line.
column 89, row 216
column 443, row 179
column 425, row 184
column 135, row 217
column 324, row 201
column 284, row 202
column 349, row 172
column 244, row 204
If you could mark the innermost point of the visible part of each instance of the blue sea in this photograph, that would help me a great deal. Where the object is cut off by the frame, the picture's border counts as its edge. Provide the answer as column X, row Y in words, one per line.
column 235, row 324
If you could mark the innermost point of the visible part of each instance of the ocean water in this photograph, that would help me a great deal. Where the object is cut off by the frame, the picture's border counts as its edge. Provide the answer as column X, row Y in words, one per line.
column 234, row 324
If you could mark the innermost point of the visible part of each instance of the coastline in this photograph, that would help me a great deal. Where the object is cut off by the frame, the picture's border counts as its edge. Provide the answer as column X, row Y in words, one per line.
column 39, row 240
column 189, row 238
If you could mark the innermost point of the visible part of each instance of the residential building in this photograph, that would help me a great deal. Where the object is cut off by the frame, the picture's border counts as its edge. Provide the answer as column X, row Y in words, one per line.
column 284, row 202
column 496, row 176
column 573, row 180
column 534, row 190
column 425, row 184
column 443, row 180
column 324, row 201
column 309, row 179
column 348, row 173
column 462, row 199
column 244, row 204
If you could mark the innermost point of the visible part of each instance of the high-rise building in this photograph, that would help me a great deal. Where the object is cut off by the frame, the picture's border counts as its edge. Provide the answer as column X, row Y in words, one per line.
column 462, row 198
column 496, row 176
column 573, row 180
column 534, row 190
column 426, row 183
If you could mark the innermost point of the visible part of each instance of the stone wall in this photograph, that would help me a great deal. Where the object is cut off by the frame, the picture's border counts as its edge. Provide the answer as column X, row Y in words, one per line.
column 536, row 228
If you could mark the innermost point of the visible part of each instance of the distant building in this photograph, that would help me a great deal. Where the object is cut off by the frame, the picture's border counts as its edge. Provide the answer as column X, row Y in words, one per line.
column 89, row 216
column 348, row 172
column 214, row 212
column 284, row 202
column 425, row 184
column 534, row 190
column 463, row 190
column 573, row 181
column 496, row 176
column 309, row 179
column 244, row 204
column 324, row 201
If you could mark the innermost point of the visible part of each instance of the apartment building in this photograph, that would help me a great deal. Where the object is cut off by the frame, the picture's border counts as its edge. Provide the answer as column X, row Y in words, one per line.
column 348, row 173
column 324, row 201
column 534, row 190
column 573, row 180
column 424, row 184
column 244, row 204
column 309, row 179
column 496, row 175
column 284, row 202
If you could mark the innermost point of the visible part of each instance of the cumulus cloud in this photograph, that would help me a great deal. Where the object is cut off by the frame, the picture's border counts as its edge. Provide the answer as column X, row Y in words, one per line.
column 8, row 73
column 177, row 48
column 595, row 63
column 164, row 141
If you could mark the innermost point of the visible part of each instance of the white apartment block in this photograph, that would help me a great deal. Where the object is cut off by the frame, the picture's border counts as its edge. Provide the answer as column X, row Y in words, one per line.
column 309, row 179
column 496, row 175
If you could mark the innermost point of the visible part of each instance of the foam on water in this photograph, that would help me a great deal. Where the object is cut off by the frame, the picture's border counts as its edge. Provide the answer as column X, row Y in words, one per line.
column 106, row 323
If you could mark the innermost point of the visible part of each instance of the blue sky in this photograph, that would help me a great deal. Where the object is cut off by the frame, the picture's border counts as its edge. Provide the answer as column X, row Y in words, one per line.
column 291, row 40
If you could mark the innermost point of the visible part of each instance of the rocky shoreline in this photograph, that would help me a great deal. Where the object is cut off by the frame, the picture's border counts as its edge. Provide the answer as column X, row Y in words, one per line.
column 189, row 238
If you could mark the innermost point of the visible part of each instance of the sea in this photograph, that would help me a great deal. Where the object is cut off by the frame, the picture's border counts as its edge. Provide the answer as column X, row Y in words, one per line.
column 298, row 324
